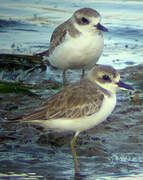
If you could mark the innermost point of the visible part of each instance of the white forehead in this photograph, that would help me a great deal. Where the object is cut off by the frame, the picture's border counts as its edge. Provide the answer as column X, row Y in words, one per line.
column 98, row 71
column 95, row 20
column 92, row 21
column 91, row 15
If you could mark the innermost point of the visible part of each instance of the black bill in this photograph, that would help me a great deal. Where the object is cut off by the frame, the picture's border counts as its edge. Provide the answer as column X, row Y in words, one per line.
column 124, row 86
column 102, row 28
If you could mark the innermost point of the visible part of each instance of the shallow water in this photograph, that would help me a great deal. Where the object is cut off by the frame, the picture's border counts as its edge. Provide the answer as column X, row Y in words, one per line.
column 111, row 151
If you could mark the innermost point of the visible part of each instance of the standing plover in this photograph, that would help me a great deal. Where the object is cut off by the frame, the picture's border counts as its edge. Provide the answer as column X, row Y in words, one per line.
column 80, row 106
column 77, row 43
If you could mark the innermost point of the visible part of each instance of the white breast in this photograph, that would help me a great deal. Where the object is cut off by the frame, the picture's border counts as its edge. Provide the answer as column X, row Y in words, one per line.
column 78, row 52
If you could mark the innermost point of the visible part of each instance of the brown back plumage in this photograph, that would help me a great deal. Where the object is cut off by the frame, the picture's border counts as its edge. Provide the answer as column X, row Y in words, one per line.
column 81, row 99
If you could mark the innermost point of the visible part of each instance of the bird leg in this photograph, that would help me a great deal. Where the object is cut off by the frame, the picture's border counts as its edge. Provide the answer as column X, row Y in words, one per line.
column 64, row 78
column 72, row 144
column 83, row 72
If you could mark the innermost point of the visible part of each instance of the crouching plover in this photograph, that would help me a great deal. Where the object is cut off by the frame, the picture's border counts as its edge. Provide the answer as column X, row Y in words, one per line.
column 80, row 106
column 77, row 43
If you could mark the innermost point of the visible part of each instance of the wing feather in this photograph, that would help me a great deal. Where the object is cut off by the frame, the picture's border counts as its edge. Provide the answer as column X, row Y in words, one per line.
column 58, row 36
column 74, row 101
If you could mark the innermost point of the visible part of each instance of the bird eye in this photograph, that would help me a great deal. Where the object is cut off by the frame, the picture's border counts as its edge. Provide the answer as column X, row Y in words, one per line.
column 106, row 78
column 84, row 20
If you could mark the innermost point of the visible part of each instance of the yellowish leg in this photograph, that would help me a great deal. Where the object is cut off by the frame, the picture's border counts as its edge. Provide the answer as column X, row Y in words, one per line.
column 74, row 152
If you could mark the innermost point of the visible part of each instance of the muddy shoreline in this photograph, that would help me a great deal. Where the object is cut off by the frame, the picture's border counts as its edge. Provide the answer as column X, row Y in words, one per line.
column 116, row 143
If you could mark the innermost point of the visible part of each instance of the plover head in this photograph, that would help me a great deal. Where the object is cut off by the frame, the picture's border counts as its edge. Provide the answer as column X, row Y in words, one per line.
column 87, row 20
column 107, row 78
